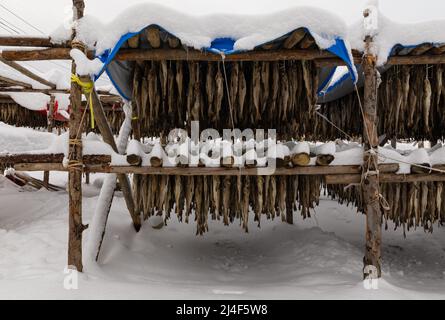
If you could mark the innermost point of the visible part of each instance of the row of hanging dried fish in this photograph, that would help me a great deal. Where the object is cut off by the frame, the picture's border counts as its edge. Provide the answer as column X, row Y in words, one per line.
column 15, row 115
column 269, row 95
column 229, row 199
column 409, row 205
column 411, row 105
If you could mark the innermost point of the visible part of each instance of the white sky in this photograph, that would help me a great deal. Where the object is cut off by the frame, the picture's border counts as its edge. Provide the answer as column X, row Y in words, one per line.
column 48, row 14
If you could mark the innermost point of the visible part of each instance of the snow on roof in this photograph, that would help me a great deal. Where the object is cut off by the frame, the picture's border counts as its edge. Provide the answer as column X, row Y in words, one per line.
column 391, row 34
column 198, row 32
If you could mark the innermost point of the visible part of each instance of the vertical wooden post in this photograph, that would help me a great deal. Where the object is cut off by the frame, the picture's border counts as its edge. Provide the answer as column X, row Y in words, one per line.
column 370, row 182
column 50, row 129
column 75, row 159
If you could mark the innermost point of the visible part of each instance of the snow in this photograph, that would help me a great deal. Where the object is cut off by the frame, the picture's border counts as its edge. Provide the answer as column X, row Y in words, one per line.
column 199, row 31
column 391, row 33
column 85, row 66
column 31, row 101
column 326, row 149
column 318, row 258
column 16, row 140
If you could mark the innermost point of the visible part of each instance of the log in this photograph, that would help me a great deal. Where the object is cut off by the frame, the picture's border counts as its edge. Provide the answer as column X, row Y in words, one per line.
column 12, row 82
column 153, row 37
column 324, row 159
column 196, row 55
column 133, row 42
column 41, row 54
column 52, row 159
column 307, row 42
column 385, row 178
column 301, row 159
column 20, row 41
column 27, row 73
column 92, row 165
column 416, row 60
column 108, row 137
column 370, row 182
column 50, row 129
column 134, row 160
column 76, row 226
column 294, row 38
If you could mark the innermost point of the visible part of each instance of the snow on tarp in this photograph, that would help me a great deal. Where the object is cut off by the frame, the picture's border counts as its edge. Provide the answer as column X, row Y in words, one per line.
column 392, row 34
column 389, row 36
column 214, row 33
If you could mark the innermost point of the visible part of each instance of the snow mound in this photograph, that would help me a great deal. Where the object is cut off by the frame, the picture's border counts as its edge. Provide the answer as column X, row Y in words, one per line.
column 198, row 32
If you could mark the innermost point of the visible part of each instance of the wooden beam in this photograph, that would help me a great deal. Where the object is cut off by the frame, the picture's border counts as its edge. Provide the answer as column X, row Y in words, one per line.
column 13, row 82
column 50, row 119
column 370, row 187
column 75, row 149
column 105, row 96
column 196, row 55
column 417, row 60
column 101, row 164
column 40, row 54
column 385, row 178
column 19, row 41
column 28, row 73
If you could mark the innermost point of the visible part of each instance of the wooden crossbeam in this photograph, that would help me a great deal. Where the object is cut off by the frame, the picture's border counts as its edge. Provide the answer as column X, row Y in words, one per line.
column 12, row 82
column 20, row 41
column 28, row 73
column 333, row 175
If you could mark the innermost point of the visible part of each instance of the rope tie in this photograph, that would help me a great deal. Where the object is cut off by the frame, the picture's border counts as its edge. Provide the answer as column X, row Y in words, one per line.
column 382, row 201
column 87, row 89
column 75, row 164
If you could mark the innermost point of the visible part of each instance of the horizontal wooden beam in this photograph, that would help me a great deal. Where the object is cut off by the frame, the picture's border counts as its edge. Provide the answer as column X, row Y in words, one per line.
column 27, row 73
column 53, row 91
column 31, row 159
column 321, row 58
column 417, row 60
column 41, row 54
column 196, row 55
column 387, row 177
column 44, row 42
column 12, row 82
column 194, row 171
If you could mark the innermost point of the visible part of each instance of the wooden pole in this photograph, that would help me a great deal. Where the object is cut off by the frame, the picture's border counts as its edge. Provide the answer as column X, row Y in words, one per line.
column 370, row 182
column 52, row 103
column 28, row 73
column 76, row 226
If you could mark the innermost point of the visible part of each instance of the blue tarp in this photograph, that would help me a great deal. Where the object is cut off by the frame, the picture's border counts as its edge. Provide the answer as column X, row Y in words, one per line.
column 219, row 45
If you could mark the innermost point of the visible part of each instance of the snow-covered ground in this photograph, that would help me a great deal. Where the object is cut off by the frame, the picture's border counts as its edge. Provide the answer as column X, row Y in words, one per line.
column 317, row 258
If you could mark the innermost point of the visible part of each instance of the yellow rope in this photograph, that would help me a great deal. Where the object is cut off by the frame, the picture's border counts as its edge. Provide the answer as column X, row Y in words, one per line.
column 87, row 88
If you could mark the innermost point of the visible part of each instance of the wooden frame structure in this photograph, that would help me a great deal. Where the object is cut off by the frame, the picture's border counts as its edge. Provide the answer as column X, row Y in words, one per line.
column 370, row 175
